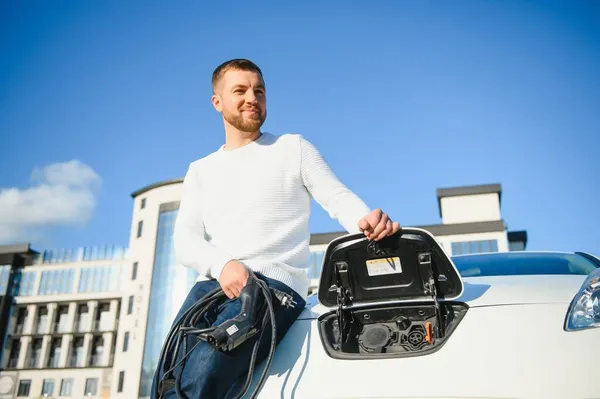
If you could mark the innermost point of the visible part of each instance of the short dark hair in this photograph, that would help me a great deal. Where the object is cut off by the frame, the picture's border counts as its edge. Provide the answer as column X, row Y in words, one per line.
column 240, row 64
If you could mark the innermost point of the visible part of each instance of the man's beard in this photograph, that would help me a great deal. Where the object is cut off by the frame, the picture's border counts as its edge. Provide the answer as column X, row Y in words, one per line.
column 249, row 125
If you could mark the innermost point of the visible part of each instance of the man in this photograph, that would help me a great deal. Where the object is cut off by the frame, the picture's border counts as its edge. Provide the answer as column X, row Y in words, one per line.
column 246, row 206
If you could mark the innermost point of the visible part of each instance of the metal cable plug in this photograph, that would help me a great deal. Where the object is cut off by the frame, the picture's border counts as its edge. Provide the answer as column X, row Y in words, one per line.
column 284, row 298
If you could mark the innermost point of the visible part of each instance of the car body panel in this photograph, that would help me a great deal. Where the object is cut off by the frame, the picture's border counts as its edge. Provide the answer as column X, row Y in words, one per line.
column 504, row 290
column 509, row 351
column 511, row 343
column 497, row 290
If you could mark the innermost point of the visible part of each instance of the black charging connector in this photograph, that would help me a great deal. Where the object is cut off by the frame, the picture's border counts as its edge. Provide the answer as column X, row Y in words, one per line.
column 235, row 331
column 256, row 313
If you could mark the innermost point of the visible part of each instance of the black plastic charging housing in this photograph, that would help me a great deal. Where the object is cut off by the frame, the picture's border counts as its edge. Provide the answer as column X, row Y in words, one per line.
column 395, row 278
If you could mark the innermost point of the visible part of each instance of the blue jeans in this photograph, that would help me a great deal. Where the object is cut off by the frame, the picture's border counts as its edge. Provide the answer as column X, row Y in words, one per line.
column 214, row 374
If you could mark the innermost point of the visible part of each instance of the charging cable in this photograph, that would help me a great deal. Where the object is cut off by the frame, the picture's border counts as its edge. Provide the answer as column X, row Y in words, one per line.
column 256, row 312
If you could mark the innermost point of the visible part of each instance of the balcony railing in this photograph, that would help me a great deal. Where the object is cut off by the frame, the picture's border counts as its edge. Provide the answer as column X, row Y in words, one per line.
column 81, row 327
column 75, row 362
column 18, row 329
column 106, row 326
column 32, row 362
column 12, row 363
column 41, row 328
column 96, row 361
column 53, row 362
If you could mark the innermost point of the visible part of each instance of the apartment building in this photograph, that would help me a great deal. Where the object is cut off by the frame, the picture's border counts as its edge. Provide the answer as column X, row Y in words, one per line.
column 63, row 327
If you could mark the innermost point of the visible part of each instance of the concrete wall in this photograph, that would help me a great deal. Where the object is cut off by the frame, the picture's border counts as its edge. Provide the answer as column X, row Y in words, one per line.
column 79, row 377
column 470, row 208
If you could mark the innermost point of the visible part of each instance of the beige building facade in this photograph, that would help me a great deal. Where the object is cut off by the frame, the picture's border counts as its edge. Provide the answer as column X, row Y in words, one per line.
column 63, row 328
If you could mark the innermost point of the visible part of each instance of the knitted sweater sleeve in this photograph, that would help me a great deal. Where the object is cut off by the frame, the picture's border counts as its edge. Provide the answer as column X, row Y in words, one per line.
column 328, row 191
column 189, row 237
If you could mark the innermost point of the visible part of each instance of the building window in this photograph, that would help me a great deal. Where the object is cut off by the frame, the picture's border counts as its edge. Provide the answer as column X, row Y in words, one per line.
column 121, row 380
column 474, row 247
column 60, row 324
column 24, row 387
column 97, row 355
column 76, row 358
column 54, row 355
column 103, row 320
column 143, row 203
column 82, row 320
column 106, row 252
column 57, row 282
column 35, row 354
column 42, row 320
column 125, row 341
column 13, row 357
column 66, row 387
column 48, row 387
column 99, row 279
column 21, row 318
column 130, row 305
column 134, row 271
column 91, row 387
column 26, row 280
column 140, row 228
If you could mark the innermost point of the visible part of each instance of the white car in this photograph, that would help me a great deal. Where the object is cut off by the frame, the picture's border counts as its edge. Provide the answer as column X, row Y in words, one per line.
column 419, row 324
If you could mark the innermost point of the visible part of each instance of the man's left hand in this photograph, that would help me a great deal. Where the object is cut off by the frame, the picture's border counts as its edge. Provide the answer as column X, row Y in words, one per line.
column 377, row 225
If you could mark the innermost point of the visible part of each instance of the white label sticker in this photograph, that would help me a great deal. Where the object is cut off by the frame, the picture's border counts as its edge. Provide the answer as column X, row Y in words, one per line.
column 232, row 330
column 378, row 267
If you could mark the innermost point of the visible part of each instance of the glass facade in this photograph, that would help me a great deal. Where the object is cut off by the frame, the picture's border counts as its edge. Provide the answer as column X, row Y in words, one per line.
column 100, row 279
column 25, row 283
column 474, row 247
column 170, row 286
column 92, row 253
column 57, row 282
column 4, row 274
column 95, row 279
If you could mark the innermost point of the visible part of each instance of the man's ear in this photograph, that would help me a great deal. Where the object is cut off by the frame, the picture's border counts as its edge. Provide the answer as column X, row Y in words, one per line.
column 216, row 102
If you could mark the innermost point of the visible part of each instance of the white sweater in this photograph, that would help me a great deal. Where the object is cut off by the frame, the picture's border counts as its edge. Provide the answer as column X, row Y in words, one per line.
column 252, row 204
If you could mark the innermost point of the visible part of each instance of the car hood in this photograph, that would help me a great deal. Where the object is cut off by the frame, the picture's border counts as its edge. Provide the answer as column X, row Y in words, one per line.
column 497, row 291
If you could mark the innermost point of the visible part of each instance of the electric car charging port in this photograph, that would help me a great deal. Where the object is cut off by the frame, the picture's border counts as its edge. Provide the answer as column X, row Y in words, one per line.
column 389, row 331
column 397, row 297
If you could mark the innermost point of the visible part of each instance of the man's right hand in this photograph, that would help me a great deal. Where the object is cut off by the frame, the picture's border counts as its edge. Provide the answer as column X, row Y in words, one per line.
column 233, row 278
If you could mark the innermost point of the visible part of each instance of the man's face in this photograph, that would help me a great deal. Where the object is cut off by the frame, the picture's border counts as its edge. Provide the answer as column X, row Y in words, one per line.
column 240, row 97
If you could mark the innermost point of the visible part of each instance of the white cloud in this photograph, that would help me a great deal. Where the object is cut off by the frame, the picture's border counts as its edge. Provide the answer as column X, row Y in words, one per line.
column 61, row 194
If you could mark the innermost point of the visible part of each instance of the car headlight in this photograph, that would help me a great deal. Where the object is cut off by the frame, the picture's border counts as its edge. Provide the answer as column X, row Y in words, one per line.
column 584, row 311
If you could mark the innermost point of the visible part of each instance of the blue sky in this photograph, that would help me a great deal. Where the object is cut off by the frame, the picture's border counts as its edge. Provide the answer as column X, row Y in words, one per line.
column 98, row 99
